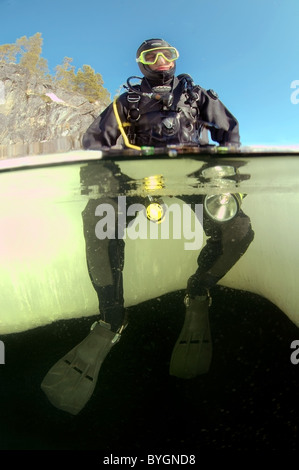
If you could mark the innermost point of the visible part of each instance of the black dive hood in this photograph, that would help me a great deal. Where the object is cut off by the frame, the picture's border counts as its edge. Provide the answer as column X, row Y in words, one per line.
column 162, row 77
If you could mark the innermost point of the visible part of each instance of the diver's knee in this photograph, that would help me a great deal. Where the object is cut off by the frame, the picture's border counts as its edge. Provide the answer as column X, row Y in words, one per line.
column 239, row 230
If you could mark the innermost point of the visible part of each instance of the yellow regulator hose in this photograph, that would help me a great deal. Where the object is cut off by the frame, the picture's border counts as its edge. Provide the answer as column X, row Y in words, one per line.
column 121, row 128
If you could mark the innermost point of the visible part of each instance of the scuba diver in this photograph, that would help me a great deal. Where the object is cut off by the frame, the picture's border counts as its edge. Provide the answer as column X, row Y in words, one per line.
column 163, row 110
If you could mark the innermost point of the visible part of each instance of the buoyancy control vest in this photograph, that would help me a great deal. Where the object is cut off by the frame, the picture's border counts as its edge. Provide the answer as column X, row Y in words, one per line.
column 164, row 115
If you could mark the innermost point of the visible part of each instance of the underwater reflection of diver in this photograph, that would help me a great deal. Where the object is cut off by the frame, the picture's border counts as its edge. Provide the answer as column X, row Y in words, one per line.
column 70, row 383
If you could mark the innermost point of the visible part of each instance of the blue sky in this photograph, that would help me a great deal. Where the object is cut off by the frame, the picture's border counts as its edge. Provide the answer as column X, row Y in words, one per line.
column 246, row 50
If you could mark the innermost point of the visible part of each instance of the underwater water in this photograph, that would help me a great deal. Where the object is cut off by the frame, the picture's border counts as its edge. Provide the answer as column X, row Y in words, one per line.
column 248, row 400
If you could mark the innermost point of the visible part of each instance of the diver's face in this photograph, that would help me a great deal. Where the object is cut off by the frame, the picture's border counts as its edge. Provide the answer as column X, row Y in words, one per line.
column 161, row 63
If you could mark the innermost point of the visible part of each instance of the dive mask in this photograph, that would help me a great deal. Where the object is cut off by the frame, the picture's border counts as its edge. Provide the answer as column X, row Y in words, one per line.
column 150, row 56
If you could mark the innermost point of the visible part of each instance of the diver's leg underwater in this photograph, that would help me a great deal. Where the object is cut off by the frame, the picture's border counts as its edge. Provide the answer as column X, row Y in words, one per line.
column 70, row 383
column 226, row 243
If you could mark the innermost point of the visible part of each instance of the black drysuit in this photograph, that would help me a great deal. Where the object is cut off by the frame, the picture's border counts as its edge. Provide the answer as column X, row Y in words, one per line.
column 179, row 123
column 154, row 122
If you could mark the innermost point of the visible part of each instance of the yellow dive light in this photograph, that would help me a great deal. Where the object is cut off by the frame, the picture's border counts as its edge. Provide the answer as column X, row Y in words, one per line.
column 155, row 211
